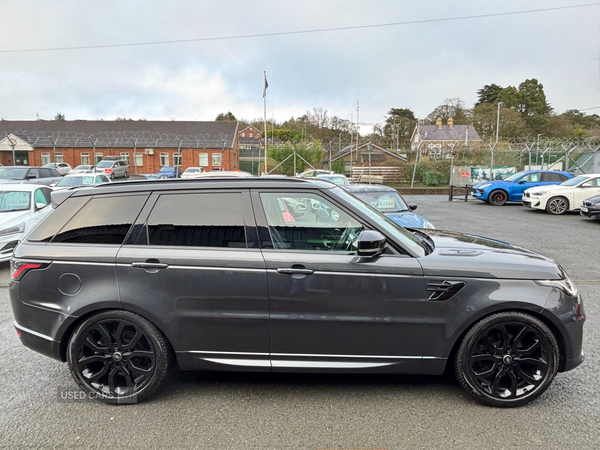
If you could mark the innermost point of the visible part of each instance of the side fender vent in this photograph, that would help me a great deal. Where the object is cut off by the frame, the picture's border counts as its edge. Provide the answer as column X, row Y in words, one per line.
column 444, row 290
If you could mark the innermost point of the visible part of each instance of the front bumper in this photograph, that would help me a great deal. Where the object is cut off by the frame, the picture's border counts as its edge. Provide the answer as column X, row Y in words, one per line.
column 592, row 213
column 533, row 202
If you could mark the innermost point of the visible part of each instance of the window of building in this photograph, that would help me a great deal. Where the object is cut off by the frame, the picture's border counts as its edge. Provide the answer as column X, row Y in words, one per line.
column 203, row 159
column 177, row 159
column 45, row 158
column 139, row 159
column 308, row 222
column 198, row 220
column 216, row 159
column 98, row 158
column 125, row 157
column 164, row 159
column 85, row 158
column 58, row 158
column 103, row 220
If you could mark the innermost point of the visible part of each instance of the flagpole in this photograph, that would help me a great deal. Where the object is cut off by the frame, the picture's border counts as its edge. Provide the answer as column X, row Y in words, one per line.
column 265, row 119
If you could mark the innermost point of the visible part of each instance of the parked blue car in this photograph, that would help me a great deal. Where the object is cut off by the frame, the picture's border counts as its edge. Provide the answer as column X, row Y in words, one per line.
column 170, row 172
column 498, row 192
column 388, row 201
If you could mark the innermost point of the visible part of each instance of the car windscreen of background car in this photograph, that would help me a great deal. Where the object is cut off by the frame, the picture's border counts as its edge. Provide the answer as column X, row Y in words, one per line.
column 75, row 181
column 14, row 201
column 12, row 173
column 386, row 202
column 105, row 164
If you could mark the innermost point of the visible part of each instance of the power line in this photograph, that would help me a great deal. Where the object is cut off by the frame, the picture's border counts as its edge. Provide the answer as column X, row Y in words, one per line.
column 288, row 33
column 586, row 109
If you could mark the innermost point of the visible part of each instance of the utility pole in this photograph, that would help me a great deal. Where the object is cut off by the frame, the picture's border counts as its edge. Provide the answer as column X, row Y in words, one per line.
column 537, row 152
column 498, row 121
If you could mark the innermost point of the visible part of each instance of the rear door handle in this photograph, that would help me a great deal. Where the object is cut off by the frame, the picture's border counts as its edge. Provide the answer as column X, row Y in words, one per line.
column 293, row 271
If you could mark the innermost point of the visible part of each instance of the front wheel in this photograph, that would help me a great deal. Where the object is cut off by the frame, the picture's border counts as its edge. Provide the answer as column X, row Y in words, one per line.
column 498, row 197
column 557, row 205
column 126, row 175
column 507, row 359
column 119, row 357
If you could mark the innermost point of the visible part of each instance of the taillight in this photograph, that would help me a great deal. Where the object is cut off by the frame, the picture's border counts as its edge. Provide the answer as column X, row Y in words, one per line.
column 18, row 269
column 107, row 170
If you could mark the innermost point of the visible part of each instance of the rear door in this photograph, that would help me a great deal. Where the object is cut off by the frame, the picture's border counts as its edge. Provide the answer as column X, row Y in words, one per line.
column 192, row 264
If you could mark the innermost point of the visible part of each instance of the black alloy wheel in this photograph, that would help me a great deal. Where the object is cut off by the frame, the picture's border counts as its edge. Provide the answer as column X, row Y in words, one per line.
column 498, row 197
column 119, row 357
column 507, row 359
column 557, row 205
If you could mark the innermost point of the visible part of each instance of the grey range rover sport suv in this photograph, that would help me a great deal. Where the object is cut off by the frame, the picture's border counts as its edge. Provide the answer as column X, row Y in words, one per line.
column 128, row 282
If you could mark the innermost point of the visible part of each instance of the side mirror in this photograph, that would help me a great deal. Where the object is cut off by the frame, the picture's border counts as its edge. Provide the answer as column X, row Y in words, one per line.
column 370, row 243
column 412, row 206
column 521, row 182
column 39, row 206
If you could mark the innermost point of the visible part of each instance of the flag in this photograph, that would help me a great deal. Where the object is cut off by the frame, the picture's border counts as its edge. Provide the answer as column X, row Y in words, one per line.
column 266, row 86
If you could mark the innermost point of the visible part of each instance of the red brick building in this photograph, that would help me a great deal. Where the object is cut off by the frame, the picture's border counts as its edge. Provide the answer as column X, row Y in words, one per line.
column 147, row 145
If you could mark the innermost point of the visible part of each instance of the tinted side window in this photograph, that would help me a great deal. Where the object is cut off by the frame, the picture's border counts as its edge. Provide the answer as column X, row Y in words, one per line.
column 198, row 220
column 103, row 220
column 552, row 177
column 56, row 220
column 33, row 173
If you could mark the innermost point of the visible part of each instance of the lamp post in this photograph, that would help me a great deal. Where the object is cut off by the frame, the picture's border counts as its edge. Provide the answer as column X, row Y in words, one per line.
column 498, row 121
column 537, row 152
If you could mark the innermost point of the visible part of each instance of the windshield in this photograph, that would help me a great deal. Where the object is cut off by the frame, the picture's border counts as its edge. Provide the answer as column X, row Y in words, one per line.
column 515, row 176
column 82, row 167
column 404, row 237
column 14, row 201
column 574, row 181
column 167, row 169
column 104, row 164
column 340, row 181
column 192, row 170
column 12, row 173
column 75, row 181
column 385, row 202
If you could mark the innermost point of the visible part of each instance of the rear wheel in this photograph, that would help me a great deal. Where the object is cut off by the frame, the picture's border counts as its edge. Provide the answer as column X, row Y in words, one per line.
column 507, row 359
column 112, row 176
column 498, row 197
column 557, row 205
column 119, row 357
column 126, row 175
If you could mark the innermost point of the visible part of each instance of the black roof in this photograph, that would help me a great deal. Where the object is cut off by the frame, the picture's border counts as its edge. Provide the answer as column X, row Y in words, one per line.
column 122, row 133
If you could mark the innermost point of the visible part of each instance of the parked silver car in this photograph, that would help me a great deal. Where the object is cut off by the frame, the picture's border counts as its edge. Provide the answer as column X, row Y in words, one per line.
column 113, row 168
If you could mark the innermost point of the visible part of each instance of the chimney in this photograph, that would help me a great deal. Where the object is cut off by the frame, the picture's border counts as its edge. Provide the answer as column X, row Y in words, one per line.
column 450, row 122
column 438, row 122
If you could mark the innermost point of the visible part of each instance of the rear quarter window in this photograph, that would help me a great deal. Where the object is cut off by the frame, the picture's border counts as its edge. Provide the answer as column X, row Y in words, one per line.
column 103, row 220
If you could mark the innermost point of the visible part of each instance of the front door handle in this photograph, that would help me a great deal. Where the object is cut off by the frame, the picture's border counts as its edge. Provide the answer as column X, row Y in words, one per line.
column 150, row 266
column 295, row 271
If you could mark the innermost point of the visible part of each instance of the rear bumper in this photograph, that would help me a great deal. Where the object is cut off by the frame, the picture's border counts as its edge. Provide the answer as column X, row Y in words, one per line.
column 39, row 342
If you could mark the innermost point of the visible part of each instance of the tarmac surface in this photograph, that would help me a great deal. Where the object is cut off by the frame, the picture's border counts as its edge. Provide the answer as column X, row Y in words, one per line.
column 281, row 411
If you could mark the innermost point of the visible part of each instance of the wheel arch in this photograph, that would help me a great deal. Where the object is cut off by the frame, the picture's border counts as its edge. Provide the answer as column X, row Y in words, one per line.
column 536, row 314
column 498, row 189
column 72, row 326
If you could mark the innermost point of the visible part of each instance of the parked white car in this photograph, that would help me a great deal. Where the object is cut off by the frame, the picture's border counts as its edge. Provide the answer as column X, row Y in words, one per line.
column 22, row 207
column 192, row 172
column 83, row 168
column 336, row 178
column 80, row 180
column 563, row 197
column 63, row 168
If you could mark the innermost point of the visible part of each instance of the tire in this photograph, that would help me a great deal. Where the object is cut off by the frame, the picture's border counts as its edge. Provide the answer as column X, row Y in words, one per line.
column 126, row 174
column 557, row 205
column 498, row 197
column 112, row 176
column 507, row 359
column 110, row 372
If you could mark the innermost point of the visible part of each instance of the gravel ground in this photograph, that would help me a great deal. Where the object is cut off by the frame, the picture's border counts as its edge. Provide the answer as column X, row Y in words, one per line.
column 280, row 411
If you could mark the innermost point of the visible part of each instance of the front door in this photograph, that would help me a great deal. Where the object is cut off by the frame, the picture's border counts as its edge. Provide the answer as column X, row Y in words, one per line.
column 329, row 309
column 192, row 265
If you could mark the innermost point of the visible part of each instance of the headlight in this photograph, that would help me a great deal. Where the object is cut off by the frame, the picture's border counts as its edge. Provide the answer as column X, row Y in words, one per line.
column 427, row 224
column 565, row 285
column 13, row 230
column 483, row 186
column 537, row 194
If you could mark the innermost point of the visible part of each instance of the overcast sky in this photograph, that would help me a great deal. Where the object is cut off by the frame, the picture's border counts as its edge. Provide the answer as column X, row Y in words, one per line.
column 413, row 66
